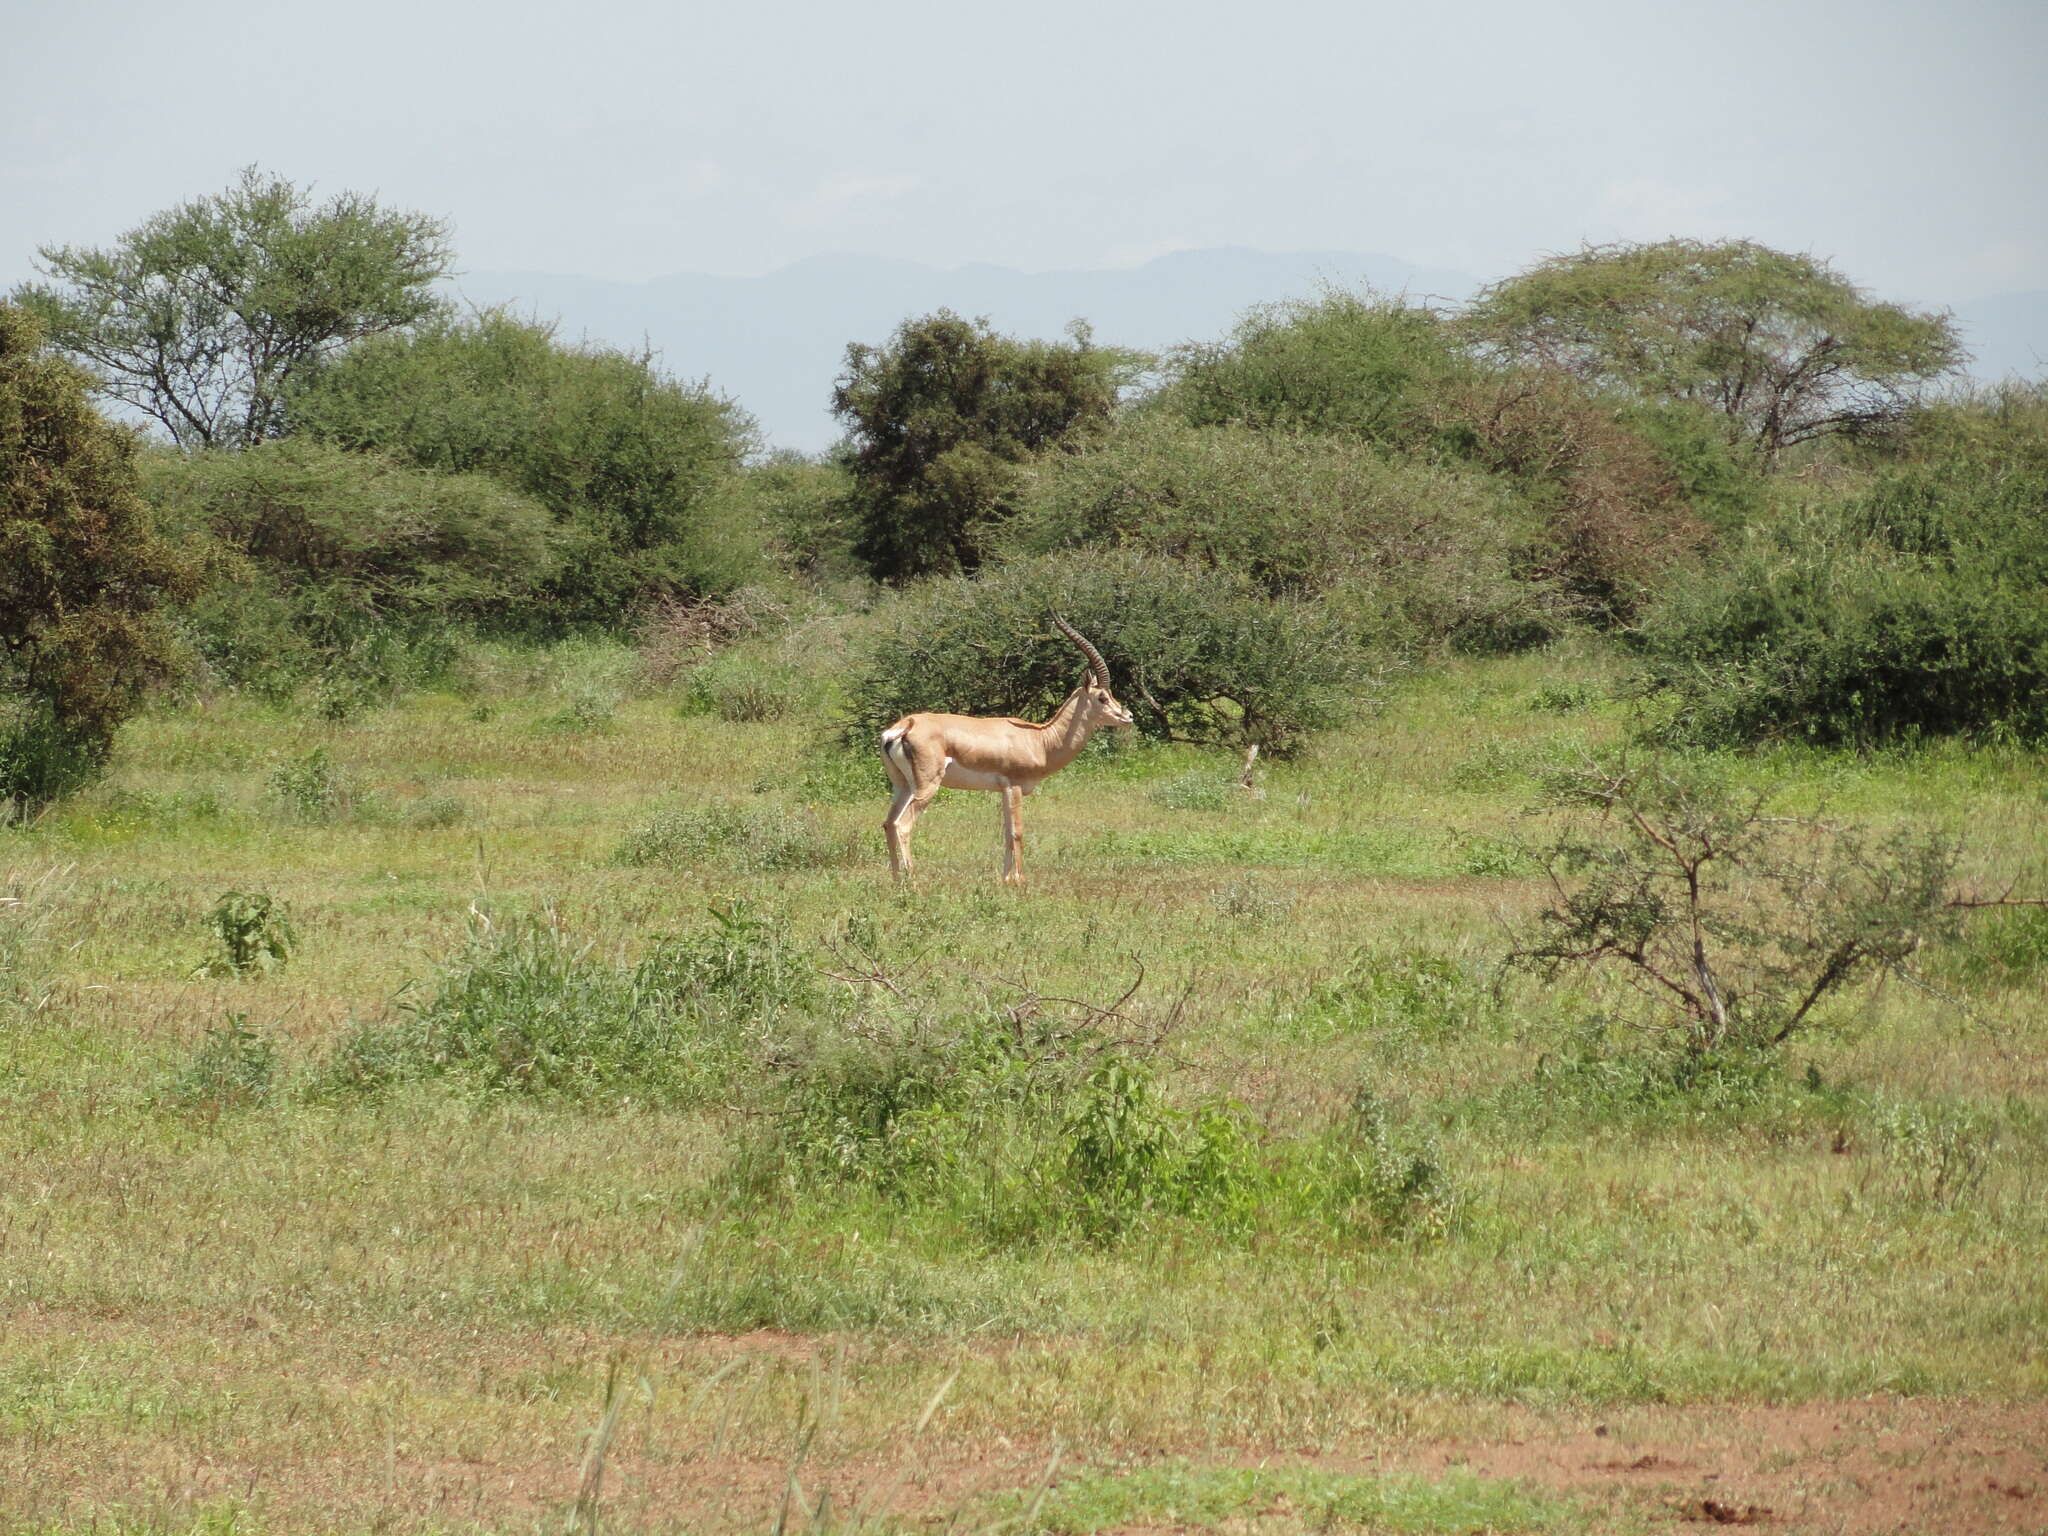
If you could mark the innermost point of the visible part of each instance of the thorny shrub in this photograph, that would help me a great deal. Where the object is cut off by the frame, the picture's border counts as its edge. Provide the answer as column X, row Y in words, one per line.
column 1733, row 928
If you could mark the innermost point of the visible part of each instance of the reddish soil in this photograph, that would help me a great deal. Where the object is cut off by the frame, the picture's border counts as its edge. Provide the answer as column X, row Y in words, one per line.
column 1854, row 1468
column 1867, row 1466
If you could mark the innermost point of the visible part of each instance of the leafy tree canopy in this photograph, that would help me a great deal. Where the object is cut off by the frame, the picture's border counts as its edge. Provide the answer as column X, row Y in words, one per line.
column 628, row 460
column 1785, row 348
column 1360, row 364
column 200, row 316
column 81, row 572
column 941, row 417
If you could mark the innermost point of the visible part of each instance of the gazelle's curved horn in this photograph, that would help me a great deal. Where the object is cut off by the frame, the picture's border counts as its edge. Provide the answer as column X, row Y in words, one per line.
column 1096, row 664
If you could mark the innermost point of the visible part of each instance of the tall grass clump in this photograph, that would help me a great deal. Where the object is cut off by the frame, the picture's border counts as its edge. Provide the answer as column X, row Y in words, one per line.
column 27, row 914
column 314, row 789
column 235, row 1067
column 1027, row 1126
column 744, row 690
column 528, row 1011
column 734, row 837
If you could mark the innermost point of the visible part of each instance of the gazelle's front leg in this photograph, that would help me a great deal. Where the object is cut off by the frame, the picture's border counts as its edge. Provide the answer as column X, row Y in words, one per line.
column 1013, row 835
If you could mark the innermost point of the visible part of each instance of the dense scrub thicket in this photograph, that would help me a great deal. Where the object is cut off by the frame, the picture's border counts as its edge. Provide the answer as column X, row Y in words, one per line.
column 1413, row 554
column 363, row 528
column 1912, row 606
column 629, row 461
column 348, row 571
column 1605, row 506
column 1197, row 654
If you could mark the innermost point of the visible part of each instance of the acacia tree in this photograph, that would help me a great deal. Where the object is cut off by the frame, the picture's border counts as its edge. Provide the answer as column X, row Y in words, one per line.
column 1783, row 346
column 81, row 573
column 200, row 316
column 940, row 420
column 1733, row 927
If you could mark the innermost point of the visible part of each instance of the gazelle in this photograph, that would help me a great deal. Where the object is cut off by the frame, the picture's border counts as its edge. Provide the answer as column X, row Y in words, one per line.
column 927, row 752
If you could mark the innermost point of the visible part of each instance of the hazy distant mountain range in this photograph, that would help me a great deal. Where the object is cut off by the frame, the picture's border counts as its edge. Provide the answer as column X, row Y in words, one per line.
column 776, row 342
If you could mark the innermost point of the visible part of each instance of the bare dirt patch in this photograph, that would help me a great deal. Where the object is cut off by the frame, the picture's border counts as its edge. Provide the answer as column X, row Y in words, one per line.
column 1869, row 1465
column 413, row 1427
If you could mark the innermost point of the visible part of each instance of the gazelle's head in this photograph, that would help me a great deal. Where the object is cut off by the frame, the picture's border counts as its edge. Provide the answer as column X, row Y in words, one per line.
column 1099, row 705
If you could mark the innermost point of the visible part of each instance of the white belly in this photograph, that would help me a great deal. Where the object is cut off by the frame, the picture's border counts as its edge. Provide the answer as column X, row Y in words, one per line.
column 957, row 777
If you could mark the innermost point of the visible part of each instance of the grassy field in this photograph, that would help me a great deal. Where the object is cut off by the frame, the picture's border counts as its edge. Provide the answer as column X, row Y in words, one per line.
column 248, row 1283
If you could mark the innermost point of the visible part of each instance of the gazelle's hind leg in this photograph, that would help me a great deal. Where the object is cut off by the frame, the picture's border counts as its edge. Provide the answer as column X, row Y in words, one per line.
column 903, row 814
column 899, row 847
column 907, row 805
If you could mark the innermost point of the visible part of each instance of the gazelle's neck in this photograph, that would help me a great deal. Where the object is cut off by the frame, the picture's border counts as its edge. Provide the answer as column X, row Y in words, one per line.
column 1067, row 732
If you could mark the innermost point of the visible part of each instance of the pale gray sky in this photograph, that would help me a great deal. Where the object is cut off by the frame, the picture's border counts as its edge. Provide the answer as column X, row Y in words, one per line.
column 1908, row 142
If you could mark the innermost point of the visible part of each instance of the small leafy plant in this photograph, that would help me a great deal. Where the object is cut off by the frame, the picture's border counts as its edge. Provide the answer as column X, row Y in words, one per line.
column 313, row 789
column 254, row 932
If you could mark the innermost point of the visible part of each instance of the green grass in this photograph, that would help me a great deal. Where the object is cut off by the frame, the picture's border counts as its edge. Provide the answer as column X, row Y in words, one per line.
column 210, row 1262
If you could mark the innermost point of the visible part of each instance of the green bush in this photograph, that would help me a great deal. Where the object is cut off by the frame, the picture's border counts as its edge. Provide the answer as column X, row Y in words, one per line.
column 1815, row 632
column 1383, row 1178
column 632, row 464
column 1911, row 608
column 1197, row 655
column 42, row 758
column 378, row 535
column 255, row 934
column 1129, row 1157
column 1359, row 364
column 1414, row 555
